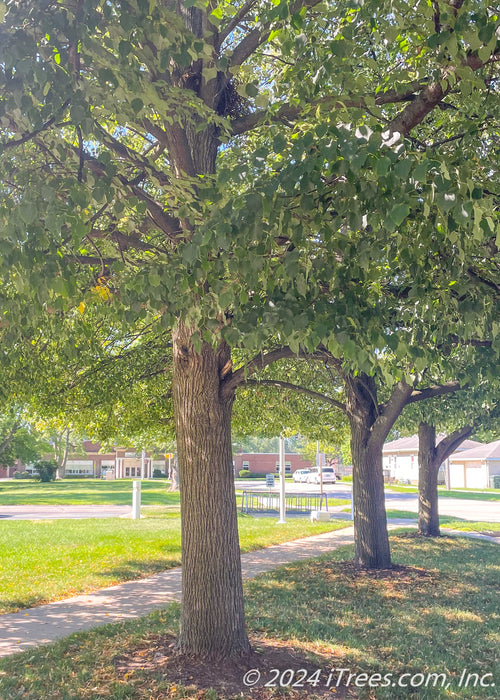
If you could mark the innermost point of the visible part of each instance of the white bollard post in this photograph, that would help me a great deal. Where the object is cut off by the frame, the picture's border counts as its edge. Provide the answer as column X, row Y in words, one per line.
column 136, row 500
column 282, row 519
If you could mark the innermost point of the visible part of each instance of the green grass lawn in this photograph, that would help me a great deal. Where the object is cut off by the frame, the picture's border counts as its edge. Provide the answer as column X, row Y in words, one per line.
column 84, row 492
column 483, row 495
column 438, row 612
column 47, row 560
column 451, row 522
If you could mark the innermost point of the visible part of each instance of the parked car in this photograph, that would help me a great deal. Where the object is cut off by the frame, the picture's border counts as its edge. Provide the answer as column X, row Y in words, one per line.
column 329, row 476
column 300, row 475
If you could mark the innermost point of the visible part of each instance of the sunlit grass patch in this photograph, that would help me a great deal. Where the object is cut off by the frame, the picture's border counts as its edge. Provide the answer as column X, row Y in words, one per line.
column 85, row 492
column 47, row 560
column 436, row 612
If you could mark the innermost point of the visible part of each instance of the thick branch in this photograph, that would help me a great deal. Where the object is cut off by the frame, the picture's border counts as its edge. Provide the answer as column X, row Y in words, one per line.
column 391, row 411
column 125, row 241
column 235, row 379
column 290, row 112
column 489, row 283
column 9, row 437
column 257, row 36
column 294, row 387
column 429, row 98
column 436, row 390
column 133, row 157
column 449, row 444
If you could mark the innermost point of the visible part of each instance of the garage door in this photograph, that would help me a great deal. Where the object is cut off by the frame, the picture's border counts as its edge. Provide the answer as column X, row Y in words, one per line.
column 474, row 478
column 457, row 480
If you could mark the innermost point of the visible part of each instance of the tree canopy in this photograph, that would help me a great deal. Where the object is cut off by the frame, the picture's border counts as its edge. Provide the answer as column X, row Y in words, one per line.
column 278, row 177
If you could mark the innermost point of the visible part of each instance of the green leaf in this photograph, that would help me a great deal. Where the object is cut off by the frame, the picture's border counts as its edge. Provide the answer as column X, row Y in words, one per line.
column 137, row 104
column 154, row 278
column 279, row 143
column 399, row 213
column 28, row 212
column 383, row 165
column 77, row 113
column 251, row 90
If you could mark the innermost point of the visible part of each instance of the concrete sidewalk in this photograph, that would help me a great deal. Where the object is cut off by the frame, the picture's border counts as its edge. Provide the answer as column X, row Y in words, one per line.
column 46, row 623
column 30, row 628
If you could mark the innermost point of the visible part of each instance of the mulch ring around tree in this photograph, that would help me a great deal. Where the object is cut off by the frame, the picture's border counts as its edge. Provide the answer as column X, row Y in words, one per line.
column 273, row 669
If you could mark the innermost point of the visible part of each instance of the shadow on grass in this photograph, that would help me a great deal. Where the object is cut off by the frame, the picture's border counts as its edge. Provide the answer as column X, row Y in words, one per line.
column 438, row 610
column 137, row 568
column 435, row 612
column 12, row 605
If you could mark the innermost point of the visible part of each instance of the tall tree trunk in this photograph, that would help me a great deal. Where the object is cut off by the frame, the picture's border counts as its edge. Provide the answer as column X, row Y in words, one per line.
column 371, row 541
column 212, row 617
column 430, row 458
column 428, row 467
column 64, row 456
column 174, row 473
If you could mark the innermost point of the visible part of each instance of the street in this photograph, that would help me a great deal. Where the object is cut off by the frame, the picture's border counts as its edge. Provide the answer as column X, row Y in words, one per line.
column 468, row 509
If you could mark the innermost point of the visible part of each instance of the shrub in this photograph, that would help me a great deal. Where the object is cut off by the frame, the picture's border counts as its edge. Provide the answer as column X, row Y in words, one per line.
column 46, row 470
column 22, row 475
column 158, row 474
column 245, row 474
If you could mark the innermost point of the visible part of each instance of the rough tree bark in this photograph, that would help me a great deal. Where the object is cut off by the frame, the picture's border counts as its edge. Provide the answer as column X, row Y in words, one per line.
column 428, row 467
column 174, row 473
column 430, row 458
column 212, row 618
column 371, row 549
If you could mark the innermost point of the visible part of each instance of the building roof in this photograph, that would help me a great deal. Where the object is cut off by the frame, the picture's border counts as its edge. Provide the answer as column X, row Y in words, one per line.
column 410, row 444
column 489, row 451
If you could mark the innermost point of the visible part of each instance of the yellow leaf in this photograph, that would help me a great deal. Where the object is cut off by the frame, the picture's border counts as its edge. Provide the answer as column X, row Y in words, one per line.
column 81, row 307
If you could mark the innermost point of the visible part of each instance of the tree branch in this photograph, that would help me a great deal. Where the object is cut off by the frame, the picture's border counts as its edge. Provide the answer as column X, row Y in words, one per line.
column 259, row 362
column 242, row 13
column 429, row 98
column 33, row 134
column 257, row 36
column 133, row 157
column 436, row 390
column 390, row 412
column 449, row 444
column 290, row 112
column 294, row 387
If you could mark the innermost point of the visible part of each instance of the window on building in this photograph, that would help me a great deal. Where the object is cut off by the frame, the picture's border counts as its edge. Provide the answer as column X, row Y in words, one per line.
column 288, row 468
column 127, row 471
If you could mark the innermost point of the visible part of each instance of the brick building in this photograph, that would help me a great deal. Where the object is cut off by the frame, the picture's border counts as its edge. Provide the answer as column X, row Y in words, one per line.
column 121, row 463
column 268, row 462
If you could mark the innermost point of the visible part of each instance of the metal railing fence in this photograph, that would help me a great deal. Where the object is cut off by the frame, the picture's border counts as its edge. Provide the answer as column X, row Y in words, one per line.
column 260, row 501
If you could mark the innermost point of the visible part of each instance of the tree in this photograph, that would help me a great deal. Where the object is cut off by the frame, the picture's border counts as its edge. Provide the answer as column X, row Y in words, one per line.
column 458, row 416
column 46, row 470
column 370, row 421
column 244, row 174
column 18, row 439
